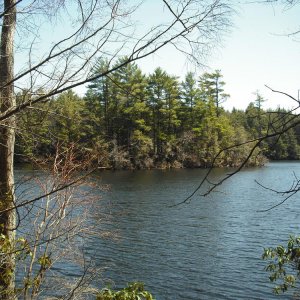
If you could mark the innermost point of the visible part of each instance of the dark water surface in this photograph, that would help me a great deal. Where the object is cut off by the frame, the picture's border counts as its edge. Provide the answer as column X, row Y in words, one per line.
column 208, row 249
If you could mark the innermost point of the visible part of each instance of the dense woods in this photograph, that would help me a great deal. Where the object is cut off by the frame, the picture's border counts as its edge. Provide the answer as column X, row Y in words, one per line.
column 130, row 120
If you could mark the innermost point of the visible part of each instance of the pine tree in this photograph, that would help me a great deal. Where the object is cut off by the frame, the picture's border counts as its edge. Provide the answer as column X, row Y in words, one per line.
column 212, row 87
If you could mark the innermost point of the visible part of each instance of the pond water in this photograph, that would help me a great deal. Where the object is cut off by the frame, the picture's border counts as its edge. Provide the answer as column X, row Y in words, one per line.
column 208, row 249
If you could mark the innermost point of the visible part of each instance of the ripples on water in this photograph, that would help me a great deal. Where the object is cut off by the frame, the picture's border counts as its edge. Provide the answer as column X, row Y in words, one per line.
column 208, row 249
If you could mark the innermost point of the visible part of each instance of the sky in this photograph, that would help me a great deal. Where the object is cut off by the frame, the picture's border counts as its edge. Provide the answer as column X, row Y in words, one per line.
column 256, row 52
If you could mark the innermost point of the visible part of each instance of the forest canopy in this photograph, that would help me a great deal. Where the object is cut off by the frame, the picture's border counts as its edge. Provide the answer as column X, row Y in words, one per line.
column 130, row 120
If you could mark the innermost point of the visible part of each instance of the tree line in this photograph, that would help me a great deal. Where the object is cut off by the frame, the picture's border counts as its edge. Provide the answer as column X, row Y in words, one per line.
column 135, row 121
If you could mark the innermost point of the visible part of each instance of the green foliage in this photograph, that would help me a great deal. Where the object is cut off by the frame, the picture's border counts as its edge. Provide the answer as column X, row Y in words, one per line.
column 134, row 291
column 23, row 252
column 44, row 261
column 284, row 264
column 132, row 121
column 212, row 88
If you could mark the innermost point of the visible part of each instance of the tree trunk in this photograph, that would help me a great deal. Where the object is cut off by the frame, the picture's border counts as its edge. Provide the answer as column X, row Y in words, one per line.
column 7, row 140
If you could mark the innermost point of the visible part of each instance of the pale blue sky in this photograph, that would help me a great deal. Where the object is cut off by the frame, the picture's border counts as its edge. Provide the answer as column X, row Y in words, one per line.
column 253, row 54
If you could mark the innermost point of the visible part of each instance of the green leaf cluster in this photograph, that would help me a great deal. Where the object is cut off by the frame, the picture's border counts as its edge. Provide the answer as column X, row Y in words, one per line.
column 284, row 264
column 134, row 291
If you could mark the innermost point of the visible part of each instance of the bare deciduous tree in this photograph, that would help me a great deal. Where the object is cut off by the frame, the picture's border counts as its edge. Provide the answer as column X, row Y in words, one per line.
column 54, row 226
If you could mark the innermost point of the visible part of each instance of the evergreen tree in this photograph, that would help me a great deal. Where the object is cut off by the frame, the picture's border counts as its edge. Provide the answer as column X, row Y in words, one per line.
column 99, row 102
column 163, row 99
column 190, row 95
column 130, row 98
column 212, row 87
column 258, row 104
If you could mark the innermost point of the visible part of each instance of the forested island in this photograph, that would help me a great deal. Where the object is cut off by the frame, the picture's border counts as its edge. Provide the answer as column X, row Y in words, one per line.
column 130, row 120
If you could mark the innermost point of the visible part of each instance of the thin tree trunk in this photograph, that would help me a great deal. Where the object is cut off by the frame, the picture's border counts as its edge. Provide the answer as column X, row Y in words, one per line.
column 7, row 140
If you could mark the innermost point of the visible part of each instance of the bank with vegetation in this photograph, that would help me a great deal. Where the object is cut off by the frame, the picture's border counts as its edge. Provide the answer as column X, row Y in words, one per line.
column 130, row 120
